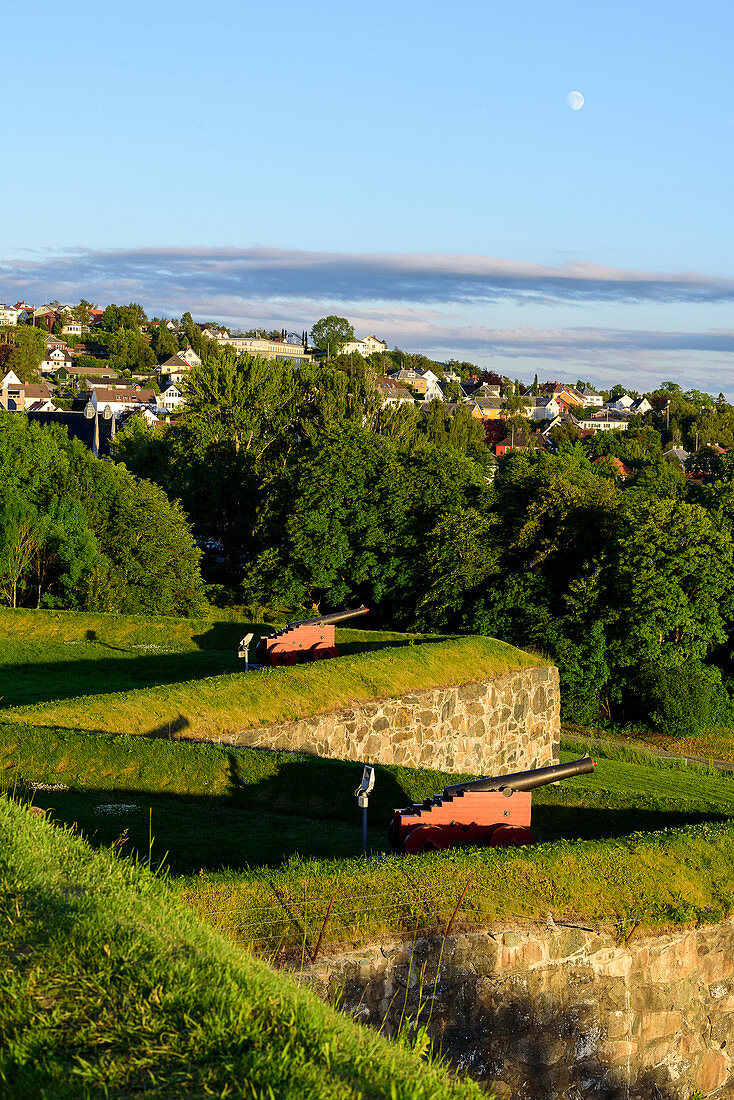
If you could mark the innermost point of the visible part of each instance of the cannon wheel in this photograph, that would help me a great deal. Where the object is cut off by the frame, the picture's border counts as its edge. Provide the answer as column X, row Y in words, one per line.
column 320, row 652
column 509, row 836
column 282, row 655
column 426, row 838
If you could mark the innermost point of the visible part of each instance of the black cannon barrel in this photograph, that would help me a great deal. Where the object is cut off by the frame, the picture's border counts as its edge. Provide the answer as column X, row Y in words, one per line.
column 334, row 617
column 526, row 781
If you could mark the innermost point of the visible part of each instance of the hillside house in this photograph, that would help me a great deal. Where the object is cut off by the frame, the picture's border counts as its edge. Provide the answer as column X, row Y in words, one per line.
column 171, row 399
column 189, row 356
column 264, row 348
column 604, row 422
column 678, row 456
column 145, row 413
column 622, row 404
column 56, row 358
column 369, row 346
column 45, row 317
column 623, row 471
column 120, row 400
column 490, row 408
column 174, row 369
column 8, row 315
column 423, row 382
column 393, row 393
column 98, row 369
column 519, row 441
column 17, row 396
column 640, row 406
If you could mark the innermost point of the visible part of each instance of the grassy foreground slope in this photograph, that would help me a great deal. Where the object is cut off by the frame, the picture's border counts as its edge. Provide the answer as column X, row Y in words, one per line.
column 183, row 699
column 113, row 990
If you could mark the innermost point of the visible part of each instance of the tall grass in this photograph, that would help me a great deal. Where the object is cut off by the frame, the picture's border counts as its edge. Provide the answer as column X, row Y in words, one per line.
column 680, row 876
column 114, row 990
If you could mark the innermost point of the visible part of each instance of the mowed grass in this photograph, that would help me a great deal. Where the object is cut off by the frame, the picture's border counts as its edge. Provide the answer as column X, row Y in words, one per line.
column 115, row 990
column 226, row 818
column 183, row 699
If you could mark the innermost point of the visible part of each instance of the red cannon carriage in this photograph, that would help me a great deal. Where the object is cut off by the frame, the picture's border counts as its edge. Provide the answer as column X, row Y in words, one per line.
column 304, row 639
column 494, row 812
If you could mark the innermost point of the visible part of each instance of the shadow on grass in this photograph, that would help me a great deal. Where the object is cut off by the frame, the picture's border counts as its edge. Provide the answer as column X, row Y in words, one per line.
column 267, row 823
column 216, row 655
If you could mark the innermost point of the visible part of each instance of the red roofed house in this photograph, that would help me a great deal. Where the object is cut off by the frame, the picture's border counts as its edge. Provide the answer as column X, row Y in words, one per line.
column 623, row 470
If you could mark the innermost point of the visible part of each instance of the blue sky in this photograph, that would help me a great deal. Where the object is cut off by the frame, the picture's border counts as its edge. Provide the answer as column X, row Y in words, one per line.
column 413, row 166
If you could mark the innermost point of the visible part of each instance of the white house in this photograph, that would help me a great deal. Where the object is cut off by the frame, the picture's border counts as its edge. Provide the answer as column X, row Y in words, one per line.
column 591, row 397
column 640, row 406
column 8, row 315
column 120, row 401
column 542, row 408
column 145, row 411
column 605, row 422
column 190, row 356
column 56, row 358
column 171, row 399
column 365, row 347
column 622, row 403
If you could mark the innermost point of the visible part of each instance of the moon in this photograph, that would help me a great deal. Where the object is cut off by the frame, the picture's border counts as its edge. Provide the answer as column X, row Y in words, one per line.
column 575, row 101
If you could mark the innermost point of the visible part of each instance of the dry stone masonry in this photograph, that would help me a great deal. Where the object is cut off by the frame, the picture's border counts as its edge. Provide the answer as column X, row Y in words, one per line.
column 557, row 1013
column 510, row 723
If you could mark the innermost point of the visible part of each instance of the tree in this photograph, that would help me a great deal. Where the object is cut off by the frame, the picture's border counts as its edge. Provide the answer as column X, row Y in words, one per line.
column 673, row 582
column 163, row 343
column 331, row 333
column 77, row 531
column 132, row 316
column 28, row 351
column 82, row 312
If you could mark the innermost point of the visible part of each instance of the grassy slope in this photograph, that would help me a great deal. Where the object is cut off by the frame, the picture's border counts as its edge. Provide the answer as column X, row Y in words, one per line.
column 115, row 990
column 205, row 705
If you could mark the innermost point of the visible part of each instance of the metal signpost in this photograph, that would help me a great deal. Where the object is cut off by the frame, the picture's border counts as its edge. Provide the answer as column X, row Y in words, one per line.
column 362, row 794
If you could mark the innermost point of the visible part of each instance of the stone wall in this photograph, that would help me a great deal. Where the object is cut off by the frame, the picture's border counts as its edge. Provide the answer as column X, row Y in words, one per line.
column 558, row 1013
column 507, row 724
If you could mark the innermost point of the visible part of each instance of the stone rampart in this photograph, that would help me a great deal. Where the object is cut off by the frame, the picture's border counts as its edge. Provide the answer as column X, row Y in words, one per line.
column 562, row 1012
column 506, row 724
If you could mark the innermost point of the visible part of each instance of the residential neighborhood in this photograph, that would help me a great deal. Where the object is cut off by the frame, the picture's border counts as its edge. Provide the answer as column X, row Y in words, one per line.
column 114, row 362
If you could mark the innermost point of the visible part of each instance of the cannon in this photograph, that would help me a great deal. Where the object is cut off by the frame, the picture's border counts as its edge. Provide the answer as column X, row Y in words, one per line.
column 494, row 811
column 304, row 639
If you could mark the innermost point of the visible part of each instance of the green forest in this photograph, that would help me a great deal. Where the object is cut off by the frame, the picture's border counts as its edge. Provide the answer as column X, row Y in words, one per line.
column 305, row 492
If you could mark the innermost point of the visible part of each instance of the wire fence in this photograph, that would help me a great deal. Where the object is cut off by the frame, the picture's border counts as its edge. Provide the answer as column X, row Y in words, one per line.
column 291, row 923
